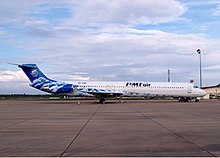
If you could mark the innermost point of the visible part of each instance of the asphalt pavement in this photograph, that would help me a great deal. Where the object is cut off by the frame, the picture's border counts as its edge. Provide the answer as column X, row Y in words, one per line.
column 132, row 128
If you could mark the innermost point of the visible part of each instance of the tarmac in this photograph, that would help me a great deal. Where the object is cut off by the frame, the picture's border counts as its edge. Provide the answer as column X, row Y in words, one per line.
column 62, row 128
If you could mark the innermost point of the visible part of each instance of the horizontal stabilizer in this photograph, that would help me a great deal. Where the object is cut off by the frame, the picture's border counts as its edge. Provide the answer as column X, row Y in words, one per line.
column 25, row 65
column 13, row 64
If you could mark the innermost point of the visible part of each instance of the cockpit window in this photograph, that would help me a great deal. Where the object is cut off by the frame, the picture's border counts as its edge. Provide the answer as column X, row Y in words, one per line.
column 195, row 87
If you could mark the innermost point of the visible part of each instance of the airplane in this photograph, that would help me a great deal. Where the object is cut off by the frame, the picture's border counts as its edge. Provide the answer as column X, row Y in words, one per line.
column 102, row 90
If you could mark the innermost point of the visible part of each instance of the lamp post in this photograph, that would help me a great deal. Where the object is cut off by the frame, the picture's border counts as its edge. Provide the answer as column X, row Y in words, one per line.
column 200, row 66
column 168, row 75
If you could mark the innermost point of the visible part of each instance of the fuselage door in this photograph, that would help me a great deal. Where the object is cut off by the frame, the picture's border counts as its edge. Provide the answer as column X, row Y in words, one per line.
column 189, row 89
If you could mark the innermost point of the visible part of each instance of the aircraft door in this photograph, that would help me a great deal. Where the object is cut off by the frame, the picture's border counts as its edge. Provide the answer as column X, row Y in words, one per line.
column 110, row 87
column 113, row 87
column 189, row 89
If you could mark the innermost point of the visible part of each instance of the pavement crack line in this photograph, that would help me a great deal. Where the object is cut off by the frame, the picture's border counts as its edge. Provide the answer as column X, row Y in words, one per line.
column 29, row 119
column 178, row 135
column 79, row 132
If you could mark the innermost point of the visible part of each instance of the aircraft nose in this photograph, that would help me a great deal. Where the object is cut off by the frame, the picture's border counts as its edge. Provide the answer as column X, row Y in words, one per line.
column 202, row 92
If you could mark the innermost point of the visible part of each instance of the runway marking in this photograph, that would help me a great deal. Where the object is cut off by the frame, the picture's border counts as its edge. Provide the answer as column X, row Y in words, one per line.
column 178, row 135
column 79, row 132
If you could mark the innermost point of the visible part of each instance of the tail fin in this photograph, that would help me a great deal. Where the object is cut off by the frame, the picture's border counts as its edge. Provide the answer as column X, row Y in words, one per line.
column 32, row 72
column 41, row 82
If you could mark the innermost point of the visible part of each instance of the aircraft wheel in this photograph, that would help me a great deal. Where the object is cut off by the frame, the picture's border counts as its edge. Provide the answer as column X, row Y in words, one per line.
column 184, row 99
column 102, row 101
column 197, row 100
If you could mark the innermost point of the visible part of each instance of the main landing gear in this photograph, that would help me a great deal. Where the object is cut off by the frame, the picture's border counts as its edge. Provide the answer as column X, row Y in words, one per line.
column 196, row 100
column 102, row 100
column 184, row 99
column 187, row 99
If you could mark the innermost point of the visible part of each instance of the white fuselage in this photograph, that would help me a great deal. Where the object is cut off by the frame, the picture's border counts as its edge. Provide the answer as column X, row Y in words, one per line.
column 109, row 89
column 138, row 88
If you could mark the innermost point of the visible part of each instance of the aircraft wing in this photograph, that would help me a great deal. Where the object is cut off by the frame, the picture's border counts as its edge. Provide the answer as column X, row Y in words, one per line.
column 101, row 92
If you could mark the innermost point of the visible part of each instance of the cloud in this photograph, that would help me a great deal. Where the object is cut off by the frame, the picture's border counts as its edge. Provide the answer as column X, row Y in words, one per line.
column 132, row 55
column 36, row 23
column 96, row 12
column 201, row 3
column 13, row 11
column 18, row 12
column 2, row 32
column 216, row 67
column 17, row 88
column 217, row 10
column 38, row 18
column 15, row 82
column 105, row 40
column 79, row 78
column 11, row 76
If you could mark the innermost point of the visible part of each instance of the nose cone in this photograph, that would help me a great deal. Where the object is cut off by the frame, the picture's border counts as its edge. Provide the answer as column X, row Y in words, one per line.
column 202, row 93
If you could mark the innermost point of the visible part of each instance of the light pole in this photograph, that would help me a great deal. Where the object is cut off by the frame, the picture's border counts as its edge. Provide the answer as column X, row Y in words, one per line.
column 168, row 75
column 200, row 66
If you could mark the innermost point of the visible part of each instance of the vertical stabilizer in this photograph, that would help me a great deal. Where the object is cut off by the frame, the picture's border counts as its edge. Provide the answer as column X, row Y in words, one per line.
column 42, row 82
column 33, row 72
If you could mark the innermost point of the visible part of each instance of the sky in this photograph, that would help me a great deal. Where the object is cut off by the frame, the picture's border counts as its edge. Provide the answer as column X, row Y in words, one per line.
column 109, row 40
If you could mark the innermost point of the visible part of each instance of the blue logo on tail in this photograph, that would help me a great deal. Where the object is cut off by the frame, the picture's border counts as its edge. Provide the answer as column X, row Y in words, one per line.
column 34, row 73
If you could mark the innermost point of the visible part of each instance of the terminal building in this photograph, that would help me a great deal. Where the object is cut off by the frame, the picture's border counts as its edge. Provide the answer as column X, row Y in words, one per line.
column 213, row 92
